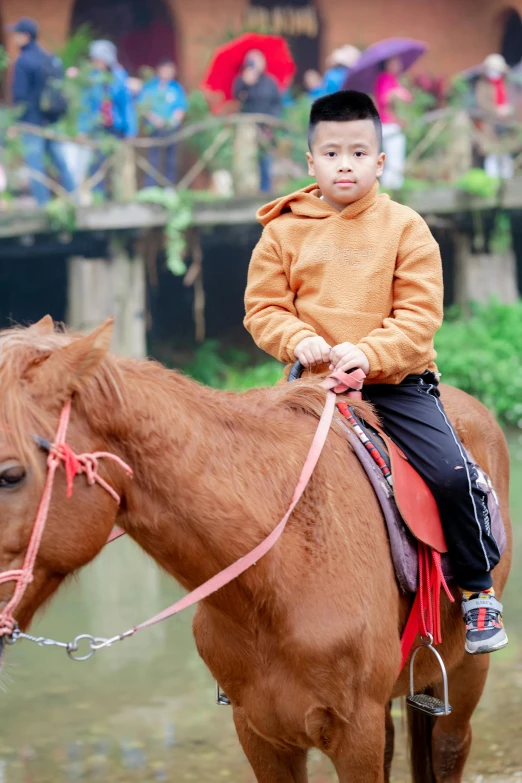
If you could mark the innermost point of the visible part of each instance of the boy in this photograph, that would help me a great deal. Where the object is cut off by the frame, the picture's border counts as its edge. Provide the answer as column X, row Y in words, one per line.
column 344, row 277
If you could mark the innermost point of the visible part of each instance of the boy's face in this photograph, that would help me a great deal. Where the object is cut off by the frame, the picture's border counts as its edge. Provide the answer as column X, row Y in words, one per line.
column 345, row 160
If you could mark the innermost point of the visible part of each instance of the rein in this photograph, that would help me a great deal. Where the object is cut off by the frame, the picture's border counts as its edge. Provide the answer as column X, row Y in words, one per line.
column 337, row 382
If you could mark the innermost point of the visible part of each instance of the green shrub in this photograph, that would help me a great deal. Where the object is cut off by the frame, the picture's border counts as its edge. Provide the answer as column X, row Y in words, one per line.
column 199, row 111
column 482, row 354
column 76, row 47
column 229, row 368
column 477, row 183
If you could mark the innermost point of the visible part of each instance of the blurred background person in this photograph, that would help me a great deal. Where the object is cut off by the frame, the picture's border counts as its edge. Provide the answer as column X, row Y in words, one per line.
column 313, row 84
column 163, row 102
column 35, row 90
column 108, row 104
column 340, row 63
column 258, row 93
column 493, row 99
column 388, row 91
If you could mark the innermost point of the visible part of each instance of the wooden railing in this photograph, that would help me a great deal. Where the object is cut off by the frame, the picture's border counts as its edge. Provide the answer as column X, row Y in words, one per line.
column 444, row 152
column 118, row 167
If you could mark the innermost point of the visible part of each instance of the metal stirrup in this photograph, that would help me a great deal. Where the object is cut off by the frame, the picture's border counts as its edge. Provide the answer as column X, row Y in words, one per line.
column 423, row 701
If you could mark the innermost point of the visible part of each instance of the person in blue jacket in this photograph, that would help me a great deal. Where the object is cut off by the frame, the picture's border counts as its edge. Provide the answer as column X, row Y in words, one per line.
column 163, row 103
column 341, row 62
column 32, row 70
column 108, row 105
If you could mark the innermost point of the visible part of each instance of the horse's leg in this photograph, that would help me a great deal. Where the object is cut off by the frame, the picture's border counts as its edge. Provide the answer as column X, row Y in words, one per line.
column 270, row 764
column 390, row 743
column 355, row 746
column 451, row 739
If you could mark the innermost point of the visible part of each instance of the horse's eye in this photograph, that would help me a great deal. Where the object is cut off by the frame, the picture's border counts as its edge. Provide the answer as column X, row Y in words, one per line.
column 11, row 476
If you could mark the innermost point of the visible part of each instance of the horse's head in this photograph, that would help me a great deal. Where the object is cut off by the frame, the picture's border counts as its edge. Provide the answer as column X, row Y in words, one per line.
column 40, row 370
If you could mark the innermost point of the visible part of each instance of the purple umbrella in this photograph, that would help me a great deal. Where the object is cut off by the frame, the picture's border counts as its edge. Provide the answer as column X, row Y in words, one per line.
column 364, row 74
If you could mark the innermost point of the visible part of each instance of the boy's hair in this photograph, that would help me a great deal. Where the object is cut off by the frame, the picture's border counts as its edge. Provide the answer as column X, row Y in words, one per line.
column 344, row 106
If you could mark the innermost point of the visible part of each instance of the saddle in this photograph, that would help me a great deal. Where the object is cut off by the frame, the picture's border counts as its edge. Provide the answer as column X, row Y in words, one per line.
column 407, row 503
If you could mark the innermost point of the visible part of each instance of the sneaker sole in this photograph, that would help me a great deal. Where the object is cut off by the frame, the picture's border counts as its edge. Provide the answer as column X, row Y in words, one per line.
column 484, row 650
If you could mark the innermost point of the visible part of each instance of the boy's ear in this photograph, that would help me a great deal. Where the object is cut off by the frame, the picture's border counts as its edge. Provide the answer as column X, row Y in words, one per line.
column 380, row 164
column 310, row 161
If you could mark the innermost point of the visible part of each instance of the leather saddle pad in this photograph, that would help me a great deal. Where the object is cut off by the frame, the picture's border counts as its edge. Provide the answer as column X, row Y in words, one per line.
column 412, row 495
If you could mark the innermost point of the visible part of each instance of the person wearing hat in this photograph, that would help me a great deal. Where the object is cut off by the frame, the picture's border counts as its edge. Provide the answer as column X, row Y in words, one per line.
column 33, row 69
column 493, row 99
column 341, row 61
column 108, row 104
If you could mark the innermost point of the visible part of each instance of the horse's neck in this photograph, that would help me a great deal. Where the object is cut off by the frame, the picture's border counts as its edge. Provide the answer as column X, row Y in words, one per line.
column 207, row 484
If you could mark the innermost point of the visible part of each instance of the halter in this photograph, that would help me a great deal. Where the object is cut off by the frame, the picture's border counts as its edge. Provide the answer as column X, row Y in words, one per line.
column 59, row 451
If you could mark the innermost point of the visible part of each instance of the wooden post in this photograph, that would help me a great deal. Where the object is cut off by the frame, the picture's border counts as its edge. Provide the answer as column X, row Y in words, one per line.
column 480, row 277
column 124, row 173
column 100, row 288
column 246, row 164
column 458, row 157
column 129, row 293
column 194, row 277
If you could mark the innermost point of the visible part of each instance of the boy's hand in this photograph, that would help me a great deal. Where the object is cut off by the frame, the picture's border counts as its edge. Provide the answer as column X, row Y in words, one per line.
column 347, row 356
column 312, row 351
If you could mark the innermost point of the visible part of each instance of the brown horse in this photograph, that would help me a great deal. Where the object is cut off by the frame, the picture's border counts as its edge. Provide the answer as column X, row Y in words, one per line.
column 306, row 643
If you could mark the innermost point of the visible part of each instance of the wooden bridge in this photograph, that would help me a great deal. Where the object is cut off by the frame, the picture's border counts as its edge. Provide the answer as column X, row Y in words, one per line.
column 115, row 285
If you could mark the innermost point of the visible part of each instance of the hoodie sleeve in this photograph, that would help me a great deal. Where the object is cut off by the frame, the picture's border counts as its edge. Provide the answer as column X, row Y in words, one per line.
column 271, row 317
column 406, row 336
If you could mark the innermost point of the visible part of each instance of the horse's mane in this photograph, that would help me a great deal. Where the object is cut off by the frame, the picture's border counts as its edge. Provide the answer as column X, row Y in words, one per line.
column 21, row 349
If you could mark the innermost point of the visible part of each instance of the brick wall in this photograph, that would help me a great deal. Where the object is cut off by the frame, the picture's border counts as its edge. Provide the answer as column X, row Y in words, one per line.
column 460, row 32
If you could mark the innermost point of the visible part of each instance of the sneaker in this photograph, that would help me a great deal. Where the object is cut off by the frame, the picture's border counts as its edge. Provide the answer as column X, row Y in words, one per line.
column 484, row 627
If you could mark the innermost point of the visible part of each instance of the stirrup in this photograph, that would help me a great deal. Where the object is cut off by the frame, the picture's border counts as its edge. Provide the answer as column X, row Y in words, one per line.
column 423, row 701
column 222, row 699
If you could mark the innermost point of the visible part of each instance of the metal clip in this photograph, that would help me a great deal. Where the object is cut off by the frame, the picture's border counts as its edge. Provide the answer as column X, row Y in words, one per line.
column 73, row 647
column 423, row 701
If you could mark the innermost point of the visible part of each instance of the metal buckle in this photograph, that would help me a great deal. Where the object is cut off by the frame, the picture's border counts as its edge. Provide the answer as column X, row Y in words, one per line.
column 423, row 701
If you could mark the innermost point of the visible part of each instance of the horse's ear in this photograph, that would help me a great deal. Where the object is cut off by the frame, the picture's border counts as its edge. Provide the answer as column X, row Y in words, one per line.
column 66, row 369
column 44, row 326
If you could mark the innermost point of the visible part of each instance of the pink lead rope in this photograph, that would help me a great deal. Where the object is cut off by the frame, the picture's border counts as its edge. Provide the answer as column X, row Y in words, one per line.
column 336, row 383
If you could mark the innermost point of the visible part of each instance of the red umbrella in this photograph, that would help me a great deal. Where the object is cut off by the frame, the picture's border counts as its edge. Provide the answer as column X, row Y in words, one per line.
column 228, row 62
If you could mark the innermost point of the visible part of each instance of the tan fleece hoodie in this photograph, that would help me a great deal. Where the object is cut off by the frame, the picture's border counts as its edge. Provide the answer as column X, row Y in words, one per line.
column 370, row 275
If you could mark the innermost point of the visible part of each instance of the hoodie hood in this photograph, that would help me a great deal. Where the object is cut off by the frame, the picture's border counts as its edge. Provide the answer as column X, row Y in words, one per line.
column 307, row 202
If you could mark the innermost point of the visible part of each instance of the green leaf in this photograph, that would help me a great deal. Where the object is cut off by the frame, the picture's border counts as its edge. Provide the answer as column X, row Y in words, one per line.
column 178, row 204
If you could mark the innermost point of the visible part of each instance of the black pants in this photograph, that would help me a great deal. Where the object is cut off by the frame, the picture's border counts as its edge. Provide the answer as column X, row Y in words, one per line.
column 413, row 416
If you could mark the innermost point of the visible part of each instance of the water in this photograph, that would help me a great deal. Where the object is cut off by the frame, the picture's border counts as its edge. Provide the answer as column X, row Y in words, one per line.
column 144, row 710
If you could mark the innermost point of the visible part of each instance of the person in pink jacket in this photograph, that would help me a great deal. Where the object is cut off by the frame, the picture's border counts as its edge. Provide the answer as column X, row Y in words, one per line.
column 388, row 90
